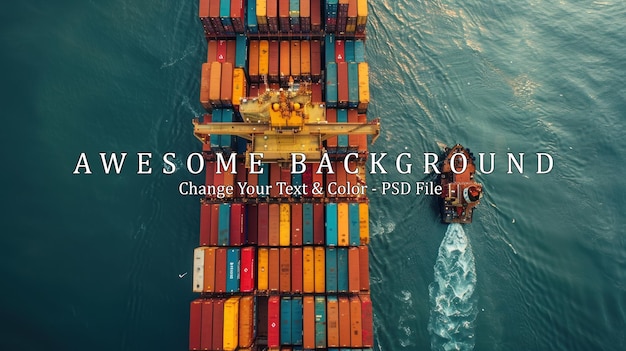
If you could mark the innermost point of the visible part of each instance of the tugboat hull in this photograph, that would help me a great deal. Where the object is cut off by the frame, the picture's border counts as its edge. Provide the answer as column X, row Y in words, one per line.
column 460, row 192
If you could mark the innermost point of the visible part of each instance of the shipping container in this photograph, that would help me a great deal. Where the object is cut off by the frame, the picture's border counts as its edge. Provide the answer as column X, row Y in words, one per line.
column 220, row 269
column 274, row 60
column 231, row 323
column 342, row 140
column 215, row 219
column 274, row 176
column 316, row 59
column 354, row 228
column 251, row 20
column 285, row 270
column 342, row 85
column 231, row 52
column 364, row 224
column 342, row 269
column 353, row 140
column 237, row 224
column 263, row 271
column 214, row 17
column 332, row 142
column 296, row 270
column 274, row 269
column 305, row 16
column 307, row 222
column 308, row 268
column 296, row 224
column 218, row 324
column 331, row 270
column 207, row 325
column 352, row 17
column 274, row 224
column 226, row 89
column 225, row 17
column 195, row 324
column 359, row 51
column 356, row 329
column 364, row 87
column 361, row 20
column 332, row 323
column 343, row 238
column 320, row 269
column 222, row 51
column 223, row 235
column 205, row 86
column 215, row 83
column 246, row 321
column 354, row 285
column 294, row 16
column 205, row 224
column 305, row 58
column 252, row 223
column 353, row 85
column 273, row 321
column 198, row 269
column 203, row 14
column 261, row 15
column 285, row 225
column 344, row 322
column 295, row 58
column 237, row 15
column 264, row 60
column 209, row 269
column 239, row 87
column 285, row 63
column 308, row 320
column 364, row 273
column 316, row 16
column 263, row 224
column 253, row 61
column 283, row 15
column 320, row 322
column 318, row 224
column 329, row 49
column 331, row 224
column 331, row 85
column 248, row 268
column 296, row 317
column 285, row 321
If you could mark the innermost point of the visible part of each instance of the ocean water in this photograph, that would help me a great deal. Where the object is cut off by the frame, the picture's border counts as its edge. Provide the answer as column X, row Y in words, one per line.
column 92, row 261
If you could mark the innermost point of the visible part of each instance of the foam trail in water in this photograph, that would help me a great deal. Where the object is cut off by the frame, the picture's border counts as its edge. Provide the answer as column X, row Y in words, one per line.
column 452, row 305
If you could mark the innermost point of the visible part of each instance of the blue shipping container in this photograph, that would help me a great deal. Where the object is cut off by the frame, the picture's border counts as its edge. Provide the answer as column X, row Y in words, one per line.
column 342, row 269
column 223, row 234
column 320, row 322
column 354, row 229
column 331, row 270
column 285, row 321
column 331, row 224
column 233, row 262
column 307, row 223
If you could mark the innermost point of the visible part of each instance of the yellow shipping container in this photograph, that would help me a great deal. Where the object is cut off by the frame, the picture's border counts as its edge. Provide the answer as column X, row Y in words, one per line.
column 364, row 86
column 308, row 270
column 263, row 275
column 231, row 324
column 343, row 224
column 261, row 11
column 285, row 225
column 264, row 61
column 361, row 18
column 364, row 223
column 246, row 321
column 239, row 85
column 320, row 269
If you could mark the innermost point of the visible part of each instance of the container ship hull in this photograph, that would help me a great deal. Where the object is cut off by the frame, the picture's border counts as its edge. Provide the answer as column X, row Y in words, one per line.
column 283, row 256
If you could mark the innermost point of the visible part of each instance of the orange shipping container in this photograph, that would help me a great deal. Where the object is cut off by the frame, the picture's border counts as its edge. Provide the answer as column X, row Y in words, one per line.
column 295, row 58
column 285, row 225
column 344, row 322
column 274, row 60
column 285, row 270
column 226, row 90
column 332, row 321
column 215, row 83
column 305, row 58
column 355, row 322
column 364, row 223
column 205, row 86
column 320, row 269
column 209, row 269
column 308, row 270
column 274, row 225
column 211, row 54
column 354, row 285
column 263, row 271
column 274, row 269
column 364, row 272
column 308, row 322
column 343, row 222
column 296, row 270
column 246, row 321
column 264, row 63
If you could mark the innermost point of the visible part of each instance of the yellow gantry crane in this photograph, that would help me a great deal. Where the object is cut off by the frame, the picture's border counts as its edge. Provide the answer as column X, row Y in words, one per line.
column 282, row 122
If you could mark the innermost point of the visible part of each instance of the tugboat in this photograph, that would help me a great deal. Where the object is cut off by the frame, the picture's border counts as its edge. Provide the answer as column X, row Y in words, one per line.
column 460, row 192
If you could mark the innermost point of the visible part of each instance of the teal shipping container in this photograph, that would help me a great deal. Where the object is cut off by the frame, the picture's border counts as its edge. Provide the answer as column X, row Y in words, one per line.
column 342, row 117
column 331, row 270
column 227, row 140
column 296, row 318
column 285, row 321
column 223, row 234
column 250, row 14
column 359, row 51
column 307, row 223
column 264, row 177
column 342, row 269
column 354, row 229
column 241, row 53
column 331, row 224
column 296, row 180
column 331, row 84
column 320, row 322
column 353, row 85
column 349, row 50
column 216, row 140
column 233, row 262
column 329, row 48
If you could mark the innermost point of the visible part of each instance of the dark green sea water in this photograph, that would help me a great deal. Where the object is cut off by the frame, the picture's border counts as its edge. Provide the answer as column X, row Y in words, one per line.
column 92, row 262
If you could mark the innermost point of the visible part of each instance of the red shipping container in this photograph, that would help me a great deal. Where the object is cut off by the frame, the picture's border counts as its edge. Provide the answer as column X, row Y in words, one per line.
column 273, row 321
column 274, row 59
column 316, row 59
column 274, row 225
column 307, row 179
column 205, row 224
column 316, row 16
column 253, row 181
column 219, row 178
column 285, row 176
column 342, row 176
column 210, row 170
column 214, row 15
column 283, row 14
column 318, row 179
column 354, row 285
column 296, row 270
column 263, row 224
column 220, row 270
column 253, row 91
column 221, row 51
column 305, row 58
column 215, row 218
column 364, row 271
column 342, row 84
column 295, row 58
column 253, row 223
column 231, row 51
column 237, row 16
column 296, row 224
column 316, row 93
column 240, row 177
column 195, row 325
column 218, row 324
column 367, row 321
column 207, row 324
column 274, row 179
column 237, row 224
column 285, row 270
column 340, row 51
column 274, row 269
column 248, row 267
column 318, row 224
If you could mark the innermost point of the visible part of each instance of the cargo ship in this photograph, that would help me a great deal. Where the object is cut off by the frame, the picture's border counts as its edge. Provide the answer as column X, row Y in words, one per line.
column 460, row 193
column 282, row 261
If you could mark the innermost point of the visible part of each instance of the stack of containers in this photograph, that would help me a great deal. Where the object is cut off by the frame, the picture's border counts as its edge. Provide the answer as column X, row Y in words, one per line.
column 274, row 270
